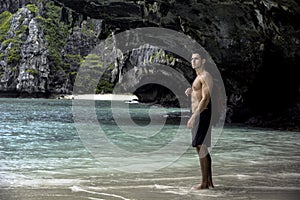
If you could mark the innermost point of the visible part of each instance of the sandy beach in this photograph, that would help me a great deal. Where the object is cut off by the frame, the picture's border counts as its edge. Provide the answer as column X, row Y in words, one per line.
column 102, row 97
column 167, row 184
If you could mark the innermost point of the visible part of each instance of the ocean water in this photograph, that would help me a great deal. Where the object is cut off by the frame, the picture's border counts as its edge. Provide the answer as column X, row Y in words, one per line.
column 49, row 152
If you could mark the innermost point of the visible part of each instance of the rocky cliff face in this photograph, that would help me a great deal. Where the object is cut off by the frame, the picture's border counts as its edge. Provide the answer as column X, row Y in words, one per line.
column 13, row 5
column 255, row 44
column 42, row 45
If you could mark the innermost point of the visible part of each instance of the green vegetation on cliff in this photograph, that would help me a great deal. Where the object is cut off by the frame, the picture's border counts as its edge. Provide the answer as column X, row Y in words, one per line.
column 58, row 29
column 14, row 54
column 11, row 45
column 56, row 33
column 32, row 71
column 95, row 71
column 22, row 30
column 14, row 49
column 162, row 56
column 33, row 8
column 4, row 24
column 104, row 85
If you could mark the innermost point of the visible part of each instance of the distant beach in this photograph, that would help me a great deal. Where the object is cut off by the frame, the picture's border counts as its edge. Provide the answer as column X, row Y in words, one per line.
column 102, row 97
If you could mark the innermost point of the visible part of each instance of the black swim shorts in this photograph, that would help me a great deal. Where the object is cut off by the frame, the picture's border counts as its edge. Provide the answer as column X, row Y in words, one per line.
column 201, row 133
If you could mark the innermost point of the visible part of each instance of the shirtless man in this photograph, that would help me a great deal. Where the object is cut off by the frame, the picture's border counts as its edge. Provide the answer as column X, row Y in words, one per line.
column 199, row 121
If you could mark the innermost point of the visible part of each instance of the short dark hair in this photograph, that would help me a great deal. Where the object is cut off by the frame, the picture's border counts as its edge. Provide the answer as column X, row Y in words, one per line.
column 201, row 52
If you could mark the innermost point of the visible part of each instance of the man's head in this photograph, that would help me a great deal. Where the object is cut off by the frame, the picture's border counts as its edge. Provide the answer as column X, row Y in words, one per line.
column 197, row 61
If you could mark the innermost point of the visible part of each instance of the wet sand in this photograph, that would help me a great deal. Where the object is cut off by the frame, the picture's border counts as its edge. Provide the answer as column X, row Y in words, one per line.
column 169, row 183
column 148, row 192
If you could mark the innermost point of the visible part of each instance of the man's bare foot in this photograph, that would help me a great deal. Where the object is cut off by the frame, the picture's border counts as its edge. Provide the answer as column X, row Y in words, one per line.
column 210, row 184
column 200, row 187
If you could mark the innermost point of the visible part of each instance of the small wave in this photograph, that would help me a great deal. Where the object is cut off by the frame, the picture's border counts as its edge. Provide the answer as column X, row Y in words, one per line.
column 239, row 176
column 156, row 186
column 93, row 198
column 79, row 189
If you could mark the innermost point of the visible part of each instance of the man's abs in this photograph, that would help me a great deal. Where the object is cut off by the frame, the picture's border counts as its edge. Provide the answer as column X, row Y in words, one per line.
column 195, row 100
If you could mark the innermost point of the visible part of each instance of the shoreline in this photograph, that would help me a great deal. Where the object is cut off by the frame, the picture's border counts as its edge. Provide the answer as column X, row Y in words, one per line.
column 273, row 124
column 101, row 97
column 104, row 97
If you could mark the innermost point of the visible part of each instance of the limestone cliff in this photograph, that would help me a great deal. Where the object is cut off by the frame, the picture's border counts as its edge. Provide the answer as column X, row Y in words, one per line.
column 255, row 44
column 42, row 45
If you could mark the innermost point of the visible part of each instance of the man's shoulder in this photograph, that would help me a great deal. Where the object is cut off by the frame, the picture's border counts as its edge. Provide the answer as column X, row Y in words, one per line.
column 205, row 75
column 207, row 79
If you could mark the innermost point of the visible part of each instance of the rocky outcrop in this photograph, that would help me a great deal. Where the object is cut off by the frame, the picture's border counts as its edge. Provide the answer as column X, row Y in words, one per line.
column 25, row 66
column 34, row 67
column 13, row 5
column 41, row 49
column 250, row 41
column 142, row 71
column 255, row 44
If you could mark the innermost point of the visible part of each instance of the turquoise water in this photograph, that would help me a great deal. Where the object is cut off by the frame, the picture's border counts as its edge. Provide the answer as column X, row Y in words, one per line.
column 40, row 148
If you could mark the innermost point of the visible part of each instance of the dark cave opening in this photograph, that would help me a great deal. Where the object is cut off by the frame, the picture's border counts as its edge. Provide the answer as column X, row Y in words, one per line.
column 155, row 93
column 276, row 86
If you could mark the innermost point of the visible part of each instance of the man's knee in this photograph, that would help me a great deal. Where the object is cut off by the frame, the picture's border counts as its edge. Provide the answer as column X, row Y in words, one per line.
column 202, row 150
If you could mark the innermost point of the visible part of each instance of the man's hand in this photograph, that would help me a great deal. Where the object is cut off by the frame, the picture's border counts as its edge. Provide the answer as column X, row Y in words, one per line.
column 191, row 122
column 188, row 91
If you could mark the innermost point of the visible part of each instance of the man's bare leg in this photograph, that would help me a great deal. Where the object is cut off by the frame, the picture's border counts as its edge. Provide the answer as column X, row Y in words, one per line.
column 204, row 166
column 210, row 182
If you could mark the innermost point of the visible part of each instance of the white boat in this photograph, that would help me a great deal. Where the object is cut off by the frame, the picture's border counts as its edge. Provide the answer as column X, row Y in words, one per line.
column 133, row 101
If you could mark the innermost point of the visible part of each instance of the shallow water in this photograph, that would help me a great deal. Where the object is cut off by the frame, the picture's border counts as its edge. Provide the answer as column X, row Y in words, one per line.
column 43, row 157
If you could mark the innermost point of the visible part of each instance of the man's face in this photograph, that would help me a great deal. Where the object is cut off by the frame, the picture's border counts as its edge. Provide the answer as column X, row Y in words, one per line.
column 196, row 61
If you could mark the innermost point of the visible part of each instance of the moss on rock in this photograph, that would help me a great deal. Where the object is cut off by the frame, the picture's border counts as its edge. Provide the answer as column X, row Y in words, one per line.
column 4, row 24
column 13, row 47
column 56, row 33
column 32, row 71
column 13, row 55
column 33, row 8
column 22, row 30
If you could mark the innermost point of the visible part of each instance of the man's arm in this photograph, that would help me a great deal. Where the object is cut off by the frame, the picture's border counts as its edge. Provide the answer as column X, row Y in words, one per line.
column 204, row 100
column 188, row 91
